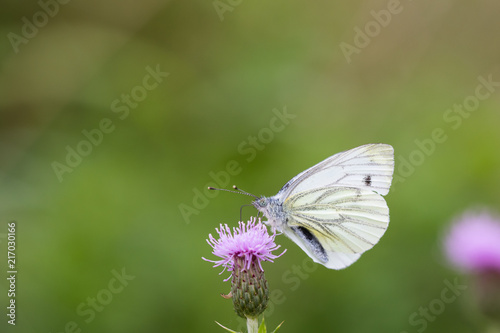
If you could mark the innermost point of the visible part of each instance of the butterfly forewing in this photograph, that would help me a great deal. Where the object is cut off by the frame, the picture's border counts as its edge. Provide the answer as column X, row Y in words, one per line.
column 367, row 167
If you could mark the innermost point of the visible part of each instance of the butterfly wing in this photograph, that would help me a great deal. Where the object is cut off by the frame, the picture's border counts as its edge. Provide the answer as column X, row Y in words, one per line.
column 335, row 225
column 367, row 167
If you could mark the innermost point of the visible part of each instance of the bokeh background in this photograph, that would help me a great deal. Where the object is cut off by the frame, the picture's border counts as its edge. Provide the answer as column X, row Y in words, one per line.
column 232, row 67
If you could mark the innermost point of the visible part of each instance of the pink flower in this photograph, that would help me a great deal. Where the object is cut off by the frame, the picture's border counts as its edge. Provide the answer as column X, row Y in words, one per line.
column 249, row 242
column 473, row 242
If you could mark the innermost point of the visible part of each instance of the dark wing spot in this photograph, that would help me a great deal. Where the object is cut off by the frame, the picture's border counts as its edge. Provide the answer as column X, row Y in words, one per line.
column 312, row 242
column 306, row 234
column 368, row 180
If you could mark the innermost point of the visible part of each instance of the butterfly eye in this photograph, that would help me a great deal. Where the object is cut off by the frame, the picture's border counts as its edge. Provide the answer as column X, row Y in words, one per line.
column 262, row 202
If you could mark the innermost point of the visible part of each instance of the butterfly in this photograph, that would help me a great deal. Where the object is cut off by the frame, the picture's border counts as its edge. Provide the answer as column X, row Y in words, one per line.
column 335, row 210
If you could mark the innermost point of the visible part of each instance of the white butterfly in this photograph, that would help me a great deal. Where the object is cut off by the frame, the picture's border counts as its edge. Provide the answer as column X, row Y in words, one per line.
column 335, row 210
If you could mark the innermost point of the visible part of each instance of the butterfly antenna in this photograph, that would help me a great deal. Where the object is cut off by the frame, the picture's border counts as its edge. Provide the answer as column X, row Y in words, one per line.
column 237, row 190
column 245, row 192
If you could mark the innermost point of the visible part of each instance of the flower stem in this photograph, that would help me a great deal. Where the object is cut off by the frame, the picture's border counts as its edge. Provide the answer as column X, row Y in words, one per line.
column 252, row 325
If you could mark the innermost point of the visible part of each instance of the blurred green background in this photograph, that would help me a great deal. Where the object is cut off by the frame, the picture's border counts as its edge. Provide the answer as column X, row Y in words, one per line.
column 126, row 203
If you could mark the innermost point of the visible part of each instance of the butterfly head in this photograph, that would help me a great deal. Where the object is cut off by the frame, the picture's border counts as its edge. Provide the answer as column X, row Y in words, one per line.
column 271, row 208
column 261, row 204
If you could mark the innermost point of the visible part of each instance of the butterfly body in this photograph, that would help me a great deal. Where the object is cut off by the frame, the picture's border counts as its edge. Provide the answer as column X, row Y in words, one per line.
column 335, row 210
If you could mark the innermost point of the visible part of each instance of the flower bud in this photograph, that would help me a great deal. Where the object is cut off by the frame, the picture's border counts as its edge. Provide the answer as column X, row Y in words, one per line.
column 249, row 289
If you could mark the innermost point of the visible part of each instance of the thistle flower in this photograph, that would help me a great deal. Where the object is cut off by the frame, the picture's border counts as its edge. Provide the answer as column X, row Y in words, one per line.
column 242, row 253
column 473, row 245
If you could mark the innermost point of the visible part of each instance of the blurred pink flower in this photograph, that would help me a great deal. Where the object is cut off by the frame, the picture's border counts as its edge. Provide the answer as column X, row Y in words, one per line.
column 473, row 242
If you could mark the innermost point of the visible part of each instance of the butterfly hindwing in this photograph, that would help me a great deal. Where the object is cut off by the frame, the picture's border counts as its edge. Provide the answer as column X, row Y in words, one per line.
column 334, row 225
column 334, row 260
